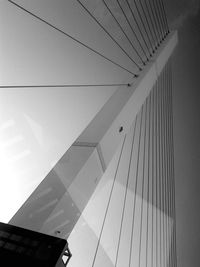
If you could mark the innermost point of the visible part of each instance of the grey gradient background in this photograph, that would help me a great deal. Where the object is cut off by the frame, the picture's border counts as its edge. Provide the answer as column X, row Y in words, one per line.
column 184, row 15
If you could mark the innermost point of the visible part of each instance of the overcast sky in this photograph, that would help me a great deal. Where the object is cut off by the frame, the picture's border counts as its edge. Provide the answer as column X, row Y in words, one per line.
column 185, row 16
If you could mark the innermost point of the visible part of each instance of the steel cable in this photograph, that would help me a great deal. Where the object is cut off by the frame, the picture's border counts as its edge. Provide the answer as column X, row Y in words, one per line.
column 140, row 31
column 127, row 20
column 119, row 25
column 72, row 38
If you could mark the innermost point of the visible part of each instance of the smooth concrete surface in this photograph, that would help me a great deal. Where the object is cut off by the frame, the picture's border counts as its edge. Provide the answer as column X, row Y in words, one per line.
column 112, row 218
column 37, row 127
column 104, row 131
column 105, row 127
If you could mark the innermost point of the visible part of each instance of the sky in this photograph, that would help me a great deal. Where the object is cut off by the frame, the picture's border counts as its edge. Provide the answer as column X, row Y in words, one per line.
column 33, row 53
column 185, row 16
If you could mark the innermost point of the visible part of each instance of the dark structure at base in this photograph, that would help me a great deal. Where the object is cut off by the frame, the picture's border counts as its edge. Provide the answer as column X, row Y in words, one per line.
column 22, row 247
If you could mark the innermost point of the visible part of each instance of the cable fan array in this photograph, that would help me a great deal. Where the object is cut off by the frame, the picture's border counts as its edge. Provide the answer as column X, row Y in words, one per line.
column 146, row 20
